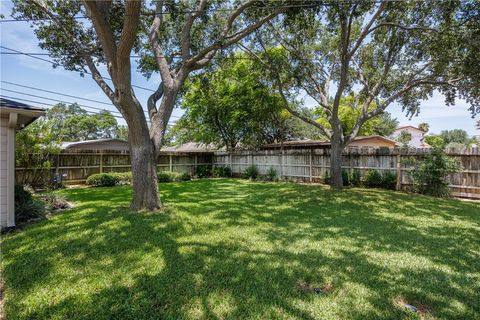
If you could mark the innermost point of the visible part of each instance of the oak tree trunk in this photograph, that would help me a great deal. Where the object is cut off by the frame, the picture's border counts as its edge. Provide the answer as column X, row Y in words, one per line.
column 336, row 180
column 144, row 168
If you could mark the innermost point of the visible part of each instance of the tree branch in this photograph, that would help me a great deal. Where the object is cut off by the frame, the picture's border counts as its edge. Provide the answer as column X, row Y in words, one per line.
column 189, row 20
column 153, row 36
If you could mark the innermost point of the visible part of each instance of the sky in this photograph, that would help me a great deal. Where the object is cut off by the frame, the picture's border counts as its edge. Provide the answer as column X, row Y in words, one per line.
column 27, row 71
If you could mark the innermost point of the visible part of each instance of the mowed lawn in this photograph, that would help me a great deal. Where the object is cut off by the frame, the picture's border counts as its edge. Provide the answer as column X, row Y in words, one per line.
column 234, row 249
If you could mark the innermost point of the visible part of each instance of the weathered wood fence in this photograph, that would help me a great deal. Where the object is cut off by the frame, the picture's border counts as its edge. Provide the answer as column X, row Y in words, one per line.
column 74, row 167
column 310, row 165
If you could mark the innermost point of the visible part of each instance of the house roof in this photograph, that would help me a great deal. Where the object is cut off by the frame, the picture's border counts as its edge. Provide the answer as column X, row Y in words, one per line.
column 68, row 145
column 7, row 103
column 409, row 126
column 325, row 143
column 190, row 147
column 26, row 113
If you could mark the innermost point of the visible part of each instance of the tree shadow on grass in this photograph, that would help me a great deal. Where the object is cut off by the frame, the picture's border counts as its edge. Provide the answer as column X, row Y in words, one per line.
column 242, row 256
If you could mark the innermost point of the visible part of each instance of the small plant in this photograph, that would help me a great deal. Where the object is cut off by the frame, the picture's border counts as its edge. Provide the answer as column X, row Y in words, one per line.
column 102, row 180
column 389, row 180
column 251, row 172
column 222, row 172
column 184, row 176
column 26, row 206
column 430, row 174
column 326, row 177
column 373, row 179
column 271, row 175
column 204, row 171
column 54, row 201
column 355, row 177
column 346, row 177
column 165, row 176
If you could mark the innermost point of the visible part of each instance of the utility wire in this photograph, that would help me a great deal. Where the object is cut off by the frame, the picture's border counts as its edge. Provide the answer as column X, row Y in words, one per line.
column 53, row 63
column 62, row 94
column 52, row 105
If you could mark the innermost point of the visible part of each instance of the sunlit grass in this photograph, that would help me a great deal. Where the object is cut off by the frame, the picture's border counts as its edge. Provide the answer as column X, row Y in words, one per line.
column 233, row 249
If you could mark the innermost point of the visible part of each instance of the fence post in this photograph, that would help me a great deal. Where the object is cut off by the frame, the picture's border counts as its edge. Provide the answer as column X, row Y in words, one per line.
column 399, row 173
column 281, row 163
column 101, row 161
column 311, row 165
column 170, row 163
column 195, row 165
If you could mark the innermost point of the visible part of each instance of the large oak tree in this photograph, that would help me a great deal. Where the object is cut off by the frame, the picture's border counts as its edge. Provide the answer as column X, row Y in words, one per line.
column 379, row 53
column 174, row 37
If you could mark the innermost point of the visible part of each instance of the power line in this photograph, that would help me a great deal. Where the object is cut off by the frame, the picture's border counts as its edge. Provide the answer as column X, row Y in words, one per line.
column 53, row 63
column 60, row 101
column 33, row 55
column 47, row 104
column 54, row 92
column 62, row 94
column 52, row 105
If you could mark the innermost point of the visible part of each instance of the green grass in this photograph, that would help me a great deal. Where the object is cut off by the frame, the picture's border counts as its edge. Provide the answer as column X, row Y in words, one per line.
column 233, row 249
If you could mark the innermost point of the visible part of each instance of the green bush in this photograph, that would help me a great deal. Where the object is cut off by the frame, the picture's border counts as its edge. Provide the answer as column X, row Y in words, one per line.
column 165, row 176
column 222, row 172
column 251, row 172
column 184, row 176
column 204, row 171
column 123, row 178
column 373, row 179
column 389, row 180
column 271, row 175
column 26, row 206
column 430, row 174
column 102, row 180
column 326, row 177
column 355, row 177
column 346, row 177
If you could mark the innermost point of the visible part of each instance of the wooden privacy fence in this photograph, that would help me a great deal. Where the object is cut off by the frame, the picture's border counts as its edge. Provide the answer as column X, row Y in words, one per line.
column 295, row 164
column 76, row 166
column 313, row 164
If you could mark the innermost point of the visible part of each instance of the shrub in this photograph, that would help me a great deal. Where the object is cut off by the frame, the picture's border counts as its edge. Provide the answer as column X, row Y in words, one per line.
column 345, row 177
column 271, row 175
column 123, row 178
column 430, row 174
column 355, row 177
column 54, row 201
column 204, row 171
column 27, row 207
column 373, row 179
column 165, row 176
column 184, row 176
column 222, row 172
column 251, row 172
column 102, row 180
column 389, row 180
column 326, row 177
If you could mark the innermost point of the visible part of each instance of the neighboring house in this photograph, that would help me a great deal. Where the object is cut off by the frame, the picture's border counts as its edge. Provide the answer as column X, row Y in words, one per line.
column 96, row 145
column 418, row 136
column 13, row 116
column 374, row 141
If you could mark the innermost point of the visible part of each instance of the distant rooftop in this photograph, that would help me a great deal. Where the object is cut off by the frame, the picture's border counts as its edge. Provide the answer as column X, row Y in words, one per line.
column 7, row 103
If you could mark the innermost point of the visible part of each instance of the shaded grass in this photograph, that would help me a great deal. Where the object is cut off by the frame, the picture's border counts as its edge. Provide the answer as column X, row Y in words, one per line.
column 233, row 249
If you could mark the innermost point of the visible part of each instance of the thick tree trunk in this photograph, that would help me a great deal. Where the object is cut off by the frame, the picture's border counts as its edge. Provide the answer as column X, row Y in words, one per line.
column 336, row 180
column 145, row 184
column 143, row 160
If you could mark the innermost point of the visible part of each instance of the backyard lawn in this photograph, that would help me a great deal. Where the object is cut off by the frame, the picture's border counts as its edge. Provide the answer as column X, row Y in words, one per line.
column 234, row 249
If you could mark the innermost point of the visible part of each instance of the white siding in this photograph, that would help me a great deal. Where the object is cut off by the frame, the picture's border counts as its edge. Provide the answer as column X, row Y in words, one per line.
column 3, row 171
